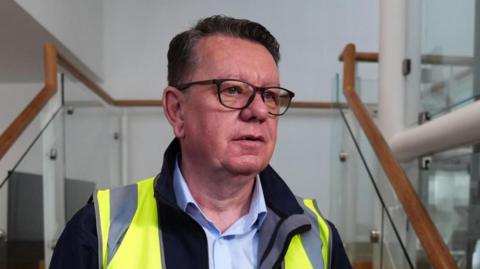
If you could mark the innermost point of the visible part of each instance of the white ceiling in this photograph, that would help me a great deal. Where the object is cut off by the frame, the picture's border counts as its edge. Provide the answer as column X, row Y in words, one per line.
column 21, row 46
column 22, row 38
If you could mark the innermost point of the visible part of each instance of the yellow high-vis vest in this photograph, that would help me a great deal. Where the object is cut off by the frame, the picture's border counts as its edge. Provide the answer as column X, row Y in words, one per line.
column 130, row 237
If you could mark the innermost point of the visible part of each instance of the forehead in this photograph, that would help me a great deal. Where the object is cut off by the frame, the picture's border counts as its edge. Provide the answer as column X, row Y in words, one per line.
column 220, row 56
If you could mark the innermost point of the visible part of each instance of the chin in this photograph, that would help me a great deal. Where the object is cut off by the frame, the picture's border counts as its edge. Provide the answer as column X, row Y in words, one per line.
column 246, row 166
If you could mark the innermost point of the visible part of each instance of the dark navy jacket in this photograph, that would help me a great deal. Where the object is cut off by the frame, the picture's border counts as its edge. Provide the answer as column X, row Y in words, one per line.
column 184, row 241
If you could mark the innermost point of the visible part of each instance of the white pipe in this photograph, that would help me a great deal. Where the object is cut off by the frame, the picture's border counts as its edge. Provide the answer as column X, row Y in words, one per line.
column 392, row 52
column 457, row 128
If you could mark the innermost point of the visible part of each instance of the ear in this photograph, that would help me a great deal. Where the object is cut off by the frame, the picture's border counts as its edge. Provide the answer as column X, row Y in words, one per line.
column 173, row 101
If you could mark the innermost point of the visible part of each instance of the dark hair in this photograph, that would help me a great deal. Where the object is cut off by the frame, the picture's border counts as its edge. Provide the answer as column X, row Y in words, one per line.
column 181, row 56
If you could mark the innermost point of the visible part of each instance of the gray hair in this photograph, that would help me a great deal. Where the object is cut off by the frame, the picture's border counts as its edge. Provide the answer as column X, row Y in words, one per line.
column 181, row 56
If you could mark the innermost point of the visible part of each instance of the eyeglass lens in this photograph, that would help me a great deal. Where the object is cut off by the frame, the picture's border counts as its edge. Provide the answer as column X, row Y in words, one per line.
column 237, row 94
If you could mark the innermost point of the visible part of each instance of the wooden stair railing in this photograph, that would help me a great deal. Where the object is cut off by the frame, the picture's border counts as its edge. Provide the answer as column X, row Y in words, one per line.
column 431, row 240
column 52, row 58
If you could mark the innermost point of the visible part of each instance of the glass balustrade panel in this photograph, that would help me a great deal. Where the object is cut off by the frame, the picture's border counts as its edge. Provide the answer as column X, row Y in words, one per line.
column 393, row 250
column 449, row 187
column 35, row 190
column 447, row 183
column 444, row 75
column 92, row 144
column 149, row 134
column 365, row 210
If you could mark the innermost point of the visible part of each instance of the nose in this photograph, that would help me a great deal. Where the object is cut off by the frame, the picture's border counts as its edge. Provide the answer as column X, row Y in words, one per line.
column 256, row 111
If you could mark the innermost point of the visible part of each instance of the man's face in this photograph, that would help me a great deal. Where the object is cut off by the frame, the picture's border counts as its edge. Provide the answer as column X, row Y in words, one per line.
column 220, row 139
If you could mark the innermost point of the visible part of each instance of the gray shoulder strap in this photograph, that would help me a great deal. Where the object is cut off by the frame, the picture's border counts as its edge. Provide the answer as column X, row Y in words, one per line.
column 311, row 240
column 123, row 205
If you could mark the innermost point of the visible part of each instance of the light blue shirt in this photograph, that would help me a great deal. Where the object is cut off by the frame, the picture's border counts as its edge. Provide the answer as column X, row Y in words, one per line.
column 236, row 248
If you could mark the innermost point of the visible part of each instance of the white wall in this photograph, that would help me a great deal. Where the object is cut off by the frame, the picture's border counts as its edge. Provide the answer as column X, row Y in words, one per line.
column 311, row 33
column 14, row 97
column 78, row 25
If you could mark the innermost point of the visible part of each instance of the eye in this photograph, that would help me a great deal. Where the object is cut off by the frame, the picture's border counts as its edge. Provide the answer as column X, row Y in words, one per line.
column 232, row 90
column 270, row 96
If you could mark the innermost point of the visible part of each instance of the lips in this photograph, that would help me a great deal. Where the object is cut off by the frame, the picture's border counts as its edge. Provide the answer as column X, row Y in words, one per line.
column 249, row 138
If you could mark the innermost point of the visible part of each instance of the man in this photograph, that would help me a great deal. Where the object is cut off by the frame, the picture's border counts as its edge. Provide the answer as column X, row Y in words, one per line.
column 216, row 203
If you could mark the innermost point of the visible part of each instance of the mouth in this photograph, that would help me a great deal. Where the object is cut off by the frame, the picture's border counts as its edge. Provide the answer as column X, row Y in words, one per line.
column 250, row 138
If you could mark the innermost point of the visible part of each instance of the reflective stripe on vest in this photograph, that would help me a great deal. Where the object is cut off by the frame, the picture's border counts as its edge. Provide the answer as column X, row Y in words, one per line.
column 129, row 237
column 311, row 249
column 127, row 227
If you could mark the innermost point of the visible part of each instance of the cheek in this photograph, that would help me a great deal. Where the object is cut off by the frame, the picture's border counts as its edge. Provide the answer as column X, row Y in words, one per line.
column 207, row 127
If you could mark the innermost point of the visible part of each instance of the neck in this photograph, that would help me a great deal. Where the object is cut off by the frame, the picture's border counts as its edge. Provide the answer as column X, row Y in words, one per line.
column 222, row 198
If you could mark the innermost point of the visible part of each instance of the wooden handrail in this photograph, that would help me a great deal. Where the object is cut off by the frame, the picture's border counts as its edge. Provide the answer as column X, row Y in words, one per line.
column 431, row 240
column 447, row 60
column 21, row 122
column 368, row 57
column 133, row 102
column 434, row 59
column 318, row 105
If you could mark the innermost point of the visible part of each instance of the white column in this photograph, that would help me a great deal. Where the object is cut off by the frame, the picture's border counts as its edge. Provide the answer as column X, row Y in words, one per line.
column 412, row 95
column 391, row 103
column 392, row 53
column 414, row 53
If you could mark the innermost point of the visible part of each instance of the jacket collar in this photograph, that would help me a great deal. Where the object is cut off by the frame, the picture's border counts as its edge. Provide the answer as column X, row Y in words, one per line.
column 278, row 196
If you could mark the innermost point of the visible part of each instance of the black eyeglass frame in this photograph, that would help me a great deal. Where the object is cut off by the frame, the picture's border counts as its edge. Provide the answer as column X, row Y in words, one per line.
column 261, row 90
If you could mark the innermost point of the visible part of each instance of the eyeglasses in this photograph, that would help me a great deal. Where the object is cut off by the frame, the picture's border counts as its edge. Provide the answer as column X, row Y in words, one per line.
column 237, row 94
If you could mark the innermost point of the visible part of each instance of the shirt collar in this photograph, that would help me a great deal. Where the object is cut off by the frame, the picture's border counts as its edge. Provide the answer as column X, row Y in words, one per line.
column 255, row 216
column 182, row 192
